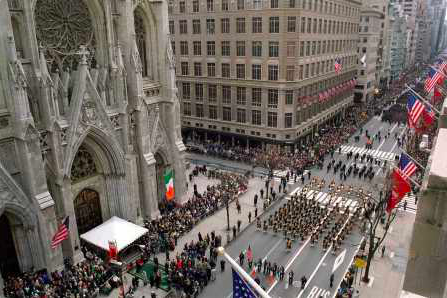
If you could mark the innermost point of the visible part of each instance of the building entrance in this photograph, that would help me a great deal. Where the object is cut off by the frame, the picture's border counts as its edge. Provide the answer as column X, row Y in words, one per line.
column 9, row 264
column 87, row 210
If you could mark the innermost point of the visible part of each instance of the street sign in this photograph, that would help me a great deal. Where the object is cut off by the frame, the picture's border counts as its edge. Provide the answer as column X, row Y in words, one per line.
column 360, row 263
column 339, row 260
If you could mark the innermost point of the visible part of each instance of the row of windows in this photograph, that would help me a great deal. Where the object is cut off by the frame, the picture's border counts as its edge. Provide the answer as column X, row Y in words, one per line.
column 307, row 48
column 225, row 92
column 313, row 5
column 306, row 25
column 305, row 71
column 241, row 115
column 256, row 115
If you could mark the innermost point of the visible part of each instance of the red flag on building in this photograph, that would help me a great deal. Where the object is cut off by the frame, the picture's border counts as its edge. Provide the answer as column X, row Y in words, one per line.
column 428, row 115
column 400, row 187
column 437, row 95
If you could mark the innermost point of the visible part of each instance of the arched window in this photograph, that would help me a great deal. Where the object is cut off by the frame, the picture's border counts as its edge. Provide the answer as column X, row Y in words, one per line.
column 140, row 33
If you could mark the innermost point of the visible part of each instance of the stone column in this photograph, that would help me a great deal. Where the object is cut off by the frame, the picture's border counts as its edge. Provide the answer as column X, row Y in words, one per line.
column 218, row 138
column 149, row 192
column 33, row 242
column 22, row 249
column 153, row 203
column 71, row 246
column 248, row 143
column 232, row 141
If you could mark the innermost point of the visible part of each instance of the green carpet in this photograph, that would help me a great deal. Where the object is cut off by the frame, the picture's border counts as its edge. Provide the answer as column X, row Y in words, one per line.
column 148, row 267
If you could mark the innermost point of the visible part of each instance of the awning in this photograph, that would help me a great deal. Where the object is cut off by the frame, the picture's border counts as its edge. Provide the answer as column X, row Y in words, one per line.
column 115, row 229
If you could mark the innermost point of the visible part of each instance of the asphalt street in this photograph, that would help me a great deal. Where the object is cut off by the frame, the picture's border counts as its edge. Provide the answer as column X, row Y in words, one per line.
column 312, row 262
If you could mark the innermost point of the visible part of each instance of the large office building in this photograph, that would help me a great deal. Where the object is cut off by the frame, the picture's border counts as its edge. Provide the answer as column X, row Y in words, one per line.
column 263, row 71
column 369, row 35
column 410, row 9
column 398, row 48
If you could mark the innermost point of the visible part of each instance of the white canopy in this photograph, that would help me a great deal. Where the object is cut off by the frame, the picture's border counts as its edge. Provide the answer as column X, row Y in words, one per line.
column 115, row 229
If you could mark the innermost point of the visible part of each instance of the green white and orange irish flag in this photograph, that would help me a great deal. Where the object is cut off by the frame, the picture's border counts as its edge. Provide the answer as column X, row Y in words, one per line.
column 169, row 182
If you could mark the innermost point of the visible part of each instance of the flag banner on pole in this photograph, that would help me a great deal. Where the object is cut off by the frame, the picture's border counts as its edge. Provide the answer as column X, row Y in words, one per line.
column 414, row 109
column 400, row 187
column 428, row 115
column 249, row 254
column 440, row 65
column 437, row 95
column 113, row 250
column 363, row 60
column 406, row 166
column 432, row 79
column 240, row 288
column 61, row 233
column 337, row 65
column 169, row 182
column 253, row 272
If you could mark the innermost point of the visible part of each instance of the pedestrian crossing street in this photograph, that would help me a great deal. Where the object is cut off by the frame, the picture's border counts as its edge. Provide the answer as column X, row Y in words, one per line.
column 324, row 198
column 390, row 156
column 411, row 204
column 278, row 174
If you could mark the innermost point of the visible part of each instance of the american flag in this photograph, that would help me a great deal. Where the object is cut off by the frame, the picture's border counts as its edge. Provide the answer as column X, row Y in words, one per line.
column 241, row 288
column 337, row 65
column 61, row 234
column 440, row 65
column 432, row 79
column 414, row 109
column 406, row 165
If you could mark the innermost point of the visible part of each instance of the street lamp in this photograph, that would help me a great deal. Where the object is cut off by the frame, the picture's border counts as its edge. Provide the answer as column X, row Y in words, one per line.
column 227, row 199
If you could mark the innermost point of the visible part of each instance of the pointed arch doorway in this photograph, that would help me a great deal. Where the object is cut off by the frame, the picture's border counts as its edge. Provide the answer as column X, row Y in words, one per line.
column 160, row 168
column 88, row 210
column 9, row 263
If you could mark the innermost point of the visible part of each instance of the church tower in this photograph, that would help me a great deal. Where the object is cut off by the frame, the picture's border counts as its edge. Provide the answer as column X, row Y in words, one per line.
column 89, row 121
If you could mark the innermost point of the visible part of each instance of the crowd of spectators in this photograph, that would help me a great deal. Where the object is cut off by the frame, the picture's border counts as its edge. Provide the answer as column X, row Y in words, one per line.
column 193, row 269
column 87, row 277
column 80, row 280
column 175, row 221
column 276, row 158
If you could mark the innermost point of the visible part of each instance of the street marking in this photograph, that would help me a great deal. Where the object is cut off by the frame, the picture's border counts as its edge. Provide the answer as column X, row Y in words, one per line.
column 347, row 268
column 316, row 292
column 315, row 271
column 339, row 260
column 371, row 280
column 321, row 261
column 290, row 263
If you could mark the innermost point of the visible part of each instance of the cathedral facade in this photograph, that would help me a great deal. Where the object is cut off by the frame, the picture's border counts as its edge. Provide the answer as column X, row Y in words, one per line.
column 89, row 121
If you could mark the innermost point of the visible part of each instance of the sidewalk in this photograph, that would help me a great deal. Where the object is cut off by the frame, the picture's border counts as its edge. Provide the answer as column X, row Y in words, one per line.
column 216, row 223
column 387, row 273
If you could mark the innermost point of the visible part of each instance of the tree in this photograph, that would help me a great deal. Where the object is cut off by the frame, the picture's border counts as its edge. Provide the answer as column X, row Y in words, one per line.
column 375, row 211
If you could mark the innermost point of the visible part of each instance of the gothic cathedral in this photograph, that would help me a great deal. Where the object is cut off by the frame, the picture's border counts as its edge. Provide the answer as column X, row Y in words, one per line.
column 89, row 121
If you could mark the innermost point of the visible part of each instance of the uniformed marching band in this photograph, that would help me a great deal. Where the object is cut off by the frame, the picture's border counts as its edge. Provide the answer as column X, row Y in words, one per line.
column 303, row 218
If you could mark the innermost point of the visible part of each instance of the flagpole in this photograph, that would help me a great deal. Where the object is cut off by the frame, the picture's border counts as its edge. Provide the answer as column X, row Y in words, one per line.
column 412, row 159
column 245, row 275
column 423, row 99
column 409, row 178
